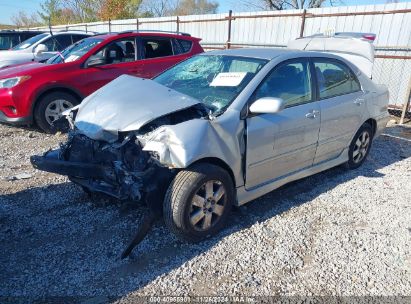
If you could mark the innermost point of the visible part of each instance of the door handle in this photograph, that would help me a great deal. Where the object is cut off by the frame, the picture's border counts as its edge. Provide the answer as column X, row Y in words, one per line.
column 359, row 101
column 312, row 114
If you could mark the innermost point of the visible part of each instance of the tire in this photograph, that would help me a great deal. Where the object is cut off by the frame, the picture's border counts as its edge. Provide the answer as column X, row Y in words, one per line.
column 360, row 147
column 56, row 103
column 196, row 219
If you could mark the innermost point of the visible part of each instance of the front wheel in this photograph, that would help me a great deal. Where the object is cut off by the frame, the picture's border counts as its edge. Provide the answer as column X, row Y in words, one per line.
column 198, row 201
column 359, row 147
column 49, row 109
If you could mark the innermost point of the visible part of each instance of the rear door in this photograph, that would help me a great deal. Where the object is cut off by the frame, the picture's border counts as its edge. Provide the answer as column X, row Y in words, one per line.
column 342, row 105
column 160, row 53
column 283, row 143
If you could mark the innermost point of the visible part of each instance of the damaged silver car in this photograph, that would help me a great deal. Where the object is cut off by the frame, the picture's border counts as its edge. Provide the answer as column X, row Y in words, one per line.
column 219, row 129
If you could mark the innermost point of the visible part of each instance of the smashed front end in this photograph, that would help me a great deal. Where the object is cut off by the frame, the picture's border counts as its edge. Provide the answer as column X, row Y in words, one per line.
column 121, row 169
column 105, row 147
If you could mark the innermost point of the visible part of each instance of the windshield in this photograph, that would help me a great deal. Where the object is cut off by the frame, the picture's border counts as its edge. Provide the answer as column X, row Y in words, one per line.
column 215, row 80
column 76, row 51
column 29, row 42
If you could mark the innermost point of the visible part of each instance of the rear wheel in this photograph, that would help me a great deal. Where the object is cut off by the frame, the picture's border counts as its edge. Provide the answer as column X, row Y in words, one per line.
column 359, row 147
column 49, row 109
column 198, row 201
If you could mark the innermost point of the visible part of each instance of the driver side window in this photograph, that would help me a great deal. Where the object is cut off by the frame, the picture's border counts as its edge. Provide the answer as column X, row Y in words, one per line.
column 290, row 81
column 119, row 51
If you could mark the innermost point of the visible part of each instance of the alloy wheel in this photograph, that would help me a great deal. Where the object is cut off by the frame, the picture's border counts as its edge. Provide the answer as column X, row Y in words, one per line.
column 207, row 205
column 55, row 109
column 361, row 147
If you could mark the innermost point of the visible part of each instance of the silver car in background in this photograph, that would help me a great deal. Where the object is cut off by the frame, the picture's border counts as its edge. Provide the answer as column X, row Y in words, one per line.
column 41, row 47
column 220, row 129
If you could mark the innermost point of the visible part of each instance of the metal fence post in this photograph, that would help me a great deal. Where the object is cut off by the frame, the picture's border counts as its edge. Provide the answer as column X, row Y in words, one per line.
column 302, row 23
column 230, row 14
column 109, row 26
column 86, row 27
column 178, row 24
column 406, row 103
column 137, row 24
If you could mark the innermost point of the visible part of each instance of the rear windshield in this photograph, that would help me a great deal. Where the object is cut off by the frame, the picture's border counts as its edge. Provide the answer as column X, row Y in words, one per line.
column 29, row 42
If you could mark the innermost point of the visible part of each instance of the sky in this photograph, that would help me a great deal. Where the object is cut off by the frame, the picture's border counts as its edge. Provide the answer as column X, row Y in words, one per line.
column 9, row 8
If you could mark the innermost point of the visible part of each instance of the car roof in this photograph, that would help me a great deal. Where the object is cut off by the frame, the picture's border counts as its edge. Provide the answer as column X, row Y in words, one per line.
column 146, row 33
column 72, row 32
column 262, row 53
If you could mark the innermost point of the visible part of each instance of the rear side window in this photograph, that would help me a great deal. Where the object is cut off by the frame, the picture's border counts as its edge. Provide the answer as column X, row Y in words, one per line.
column 156, row 47
column 182, row 46
column 119, row 51
column 334, row 78
column 58, row 43
column 63, row 41
column 289, row 81
column 78, row 37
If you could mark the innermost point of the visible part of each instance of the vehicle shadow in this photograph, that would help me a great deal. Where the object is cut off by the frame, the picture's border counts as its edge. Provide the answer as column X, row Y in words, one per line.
column 58, row 232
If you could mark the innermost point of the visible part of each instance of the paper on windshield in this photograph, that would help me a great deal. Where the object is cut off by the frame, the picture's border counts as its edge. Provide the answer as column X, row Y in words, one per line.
column 230, row 79
column 71, row 58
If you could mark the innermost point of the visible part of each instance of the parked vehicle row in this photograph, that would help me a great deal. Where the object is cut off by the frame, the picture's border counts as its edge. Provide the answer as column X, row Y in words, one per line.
column 39, row 48
column 39, row 92
column 10, row 38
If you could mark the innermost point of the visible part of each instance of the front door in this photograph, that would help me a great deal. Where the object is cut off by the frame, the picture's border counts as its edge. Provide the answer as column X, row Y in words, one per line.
column 282, row 143
column 120, row 58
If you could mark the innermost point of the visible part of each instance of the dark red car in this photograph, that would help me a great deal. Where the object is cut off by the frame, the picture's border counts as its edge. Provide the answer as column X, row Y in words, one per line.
column 39, row 92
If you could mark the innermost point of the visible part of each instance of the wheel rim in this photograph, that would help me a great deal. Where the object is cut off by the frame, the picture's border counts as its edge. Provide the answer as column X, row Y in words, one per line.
column 207, row 205
column 55, row 108
column 361, row 147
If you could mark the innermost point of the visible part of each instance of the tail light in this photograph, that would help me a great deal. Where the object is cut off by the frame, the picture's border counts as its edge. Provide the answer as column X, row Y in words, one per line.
column 370, row 37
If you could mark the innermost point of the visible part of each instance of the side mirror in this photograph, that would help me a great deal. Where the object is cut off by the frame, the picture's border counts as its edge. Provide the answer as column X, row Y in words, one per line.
column 41, row 48
column 267, row 105
column 96, row 61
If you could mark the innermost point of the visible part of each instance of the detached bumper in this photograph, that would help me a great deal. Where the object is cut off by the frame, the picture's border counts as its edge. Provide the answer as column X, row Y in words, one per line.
column 103, row 178
column 50, row 162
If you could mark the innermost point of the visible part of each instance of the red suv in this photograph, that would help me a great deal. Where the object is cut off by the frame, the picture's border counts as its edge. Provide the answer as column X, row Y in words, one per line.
column 40, row 92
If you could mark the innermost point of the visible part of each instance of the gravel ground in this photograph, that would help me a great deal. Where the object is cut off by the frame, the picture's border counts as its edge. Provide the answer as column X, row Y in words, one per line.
column 336, row 233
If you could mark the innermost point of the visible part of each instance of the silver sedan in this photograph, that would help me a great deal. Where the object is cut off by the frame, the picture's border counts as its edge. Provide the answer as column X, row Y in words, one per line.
column 220, row 129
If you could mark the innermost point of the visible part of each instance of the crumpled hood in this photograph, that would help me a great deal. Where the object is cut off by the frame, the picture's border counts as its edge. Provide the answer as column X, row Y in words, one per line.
column 126, row 104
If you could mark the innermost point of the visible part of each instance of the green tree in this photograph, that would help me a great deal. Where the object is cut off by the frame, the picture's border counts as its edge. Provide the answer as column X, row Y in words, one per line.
column 51, row 10
column 119, row 9
column 195, row 7
column 179, row 7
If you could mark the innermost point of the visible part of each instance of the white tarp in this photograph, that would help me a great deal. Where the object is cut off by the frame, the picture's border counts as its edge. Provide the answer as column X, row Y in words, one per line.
column 358, row 51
